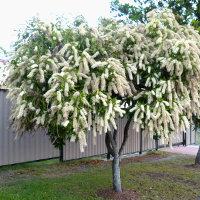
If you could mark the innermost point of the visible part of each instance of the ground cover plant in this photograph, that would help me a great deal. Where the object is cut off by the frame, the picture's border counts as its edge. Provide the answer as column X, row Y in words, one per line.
column 156, row 175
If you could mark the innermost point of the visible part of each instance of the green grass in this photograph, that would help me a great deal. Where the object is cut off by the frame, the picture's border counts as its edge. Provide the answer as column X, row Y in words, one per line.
column 171, row 177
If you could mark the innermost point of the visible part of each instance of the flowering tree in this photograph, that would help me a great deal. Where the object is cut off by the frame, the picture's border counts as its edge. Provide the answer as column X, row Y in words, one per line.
column 167, row 82
column 70, row 80
column 64, row 79
column 168, row 67
column 196, row 123
column 166, row 59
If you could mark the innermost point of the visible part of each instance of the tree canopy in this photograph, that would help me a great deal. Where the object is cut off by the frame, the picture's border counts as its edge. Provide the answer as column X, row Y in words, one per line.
column 64, row 79
column 186, row 11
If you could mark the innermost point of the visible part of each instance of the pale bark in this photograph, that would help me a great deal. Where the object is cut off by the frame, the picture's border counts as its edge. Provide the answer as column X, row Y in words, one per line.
column 197, row 160
column 111, row 144
column 116, row 174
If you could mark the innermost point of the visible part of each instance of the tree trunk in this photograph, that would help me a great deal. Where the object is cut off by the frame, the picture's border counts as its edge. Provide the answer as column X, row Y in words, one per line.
column 116, row 174
column 109, row 147
column 197, row 160
column 111, row 144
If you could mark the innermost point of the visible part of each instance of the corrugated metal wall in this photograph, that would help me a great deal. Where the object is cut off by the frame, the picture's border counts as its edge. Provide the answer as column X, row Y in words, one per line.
column 71, row 150
column 37, row 146
column 29, row 147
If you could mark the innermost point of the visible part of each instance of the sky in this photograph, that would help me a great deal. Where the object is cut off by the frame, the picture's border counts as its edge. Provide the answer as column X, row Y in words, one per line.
column 14, row 13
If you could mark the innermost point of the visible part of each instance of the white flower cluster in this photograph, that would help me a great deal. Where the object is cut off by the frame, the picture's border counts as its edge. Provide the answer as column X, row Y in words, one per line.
column 165, row 58
column 70, row 87
column 168, row 95
column 82, row 83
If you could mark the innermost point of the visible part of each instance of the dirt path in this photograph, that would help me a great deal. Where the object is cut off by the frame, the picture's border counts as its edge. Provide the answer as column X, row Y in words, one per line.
column 190, row 150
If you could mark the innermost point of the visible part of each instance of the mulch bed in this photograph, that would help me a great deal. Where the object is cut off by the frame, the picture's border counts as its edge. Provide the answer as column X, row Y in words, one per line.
column 111, row 194
column 192, row 166
column 150, row 157
column 85, row 163
column 91, row 162
column 145, row 158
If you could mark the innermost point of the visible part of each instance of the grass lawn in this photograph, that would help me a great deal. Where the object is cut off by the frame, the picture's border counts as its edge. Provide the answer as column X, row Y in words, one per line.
column 152, row 176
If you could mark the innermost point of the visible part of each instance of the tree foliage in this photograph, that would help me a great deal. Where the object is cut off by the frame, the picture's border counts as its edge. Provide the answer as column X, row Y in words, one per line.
column 166, row 73
column 3, row 62
column 186, row 11
column 58, row 73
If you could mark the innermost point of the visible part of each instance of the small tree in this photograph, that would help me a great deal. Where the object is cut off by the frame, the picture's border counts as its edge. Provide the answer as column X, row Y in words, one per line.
column 162, row 61
column 165, row 57
column 72, row 79
column 196, row 123
column 197, row 159
column 167, row 77
column 64, row 79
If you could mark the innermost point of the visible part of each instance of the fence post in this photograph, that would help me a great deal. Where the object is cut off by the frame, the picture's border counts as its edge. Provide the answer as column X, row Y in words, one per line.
column 156, row 141
column 156, row 137
column 61, row 150
column 140, row 142
column 184, row 139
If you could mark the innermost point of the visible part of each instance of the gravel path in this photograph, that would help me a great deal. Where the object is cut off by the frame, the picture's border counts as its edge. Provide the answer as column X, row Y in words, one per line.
column 190, row 150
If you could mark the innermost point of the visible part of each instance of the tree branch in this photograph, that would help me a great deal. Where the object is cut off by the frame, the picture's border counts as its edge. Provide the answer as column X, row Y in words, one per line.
column 125, row 135
column 115, row 136
column 111, row 140
column 108, row 145
column 32, row 92
column 55, row 51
